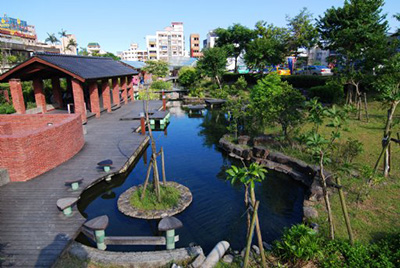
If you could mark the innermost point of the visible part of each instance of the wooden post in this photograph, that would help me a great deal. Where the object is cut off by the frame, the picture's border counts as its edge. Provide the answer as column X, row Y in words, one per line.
column 163, row 166
column 142, row 124
column 250, row 236
column 366, row 106
column 164, row 101
column 345, row 213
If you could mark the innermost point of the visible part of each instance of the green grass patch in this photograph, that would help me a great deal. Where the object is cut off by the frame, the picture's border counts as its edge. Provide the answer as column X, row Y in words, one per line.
column 378, row 213
column 169, row 198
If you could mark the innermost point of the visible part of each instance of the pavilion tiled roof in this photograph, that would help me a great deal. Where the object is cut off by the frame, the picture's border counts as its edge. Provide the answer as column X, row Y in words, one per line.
column 81, row 67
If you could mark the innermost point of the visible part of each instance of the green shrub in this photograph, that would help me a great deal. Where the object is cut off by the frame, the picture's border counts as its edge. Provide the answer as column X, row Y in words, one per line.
column 332, row 92
column 6, row 108
column 159, row 85
column 306, row 81
column 187, row 76
column 298, row 243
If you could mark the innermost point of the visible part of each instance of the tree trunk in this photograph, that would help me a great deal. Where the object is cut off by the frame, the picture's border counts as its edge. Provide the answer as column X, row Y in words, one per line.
column 146, row 181
column 258, row 229
column 345, row 213
column 386, row 141
column 250, row 236
column 218, row 82
column 236, row 69
column 326, row 197
column 366, row 106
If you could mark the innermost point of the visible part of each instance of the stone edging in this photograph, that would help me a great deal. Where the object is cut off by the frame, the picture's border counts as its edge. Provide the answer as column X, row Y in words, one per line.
column 134, row 259
column 125, row 207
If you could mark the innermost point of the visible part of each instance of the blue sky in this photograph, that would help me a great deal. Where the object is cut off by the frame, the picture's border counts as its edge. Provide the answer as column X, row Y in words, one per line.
column 115, row 24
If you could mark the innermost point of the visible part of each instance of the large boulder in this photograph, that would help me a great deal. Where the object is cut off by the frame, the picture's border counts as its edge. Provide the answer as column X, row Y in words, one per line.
column 243, row 140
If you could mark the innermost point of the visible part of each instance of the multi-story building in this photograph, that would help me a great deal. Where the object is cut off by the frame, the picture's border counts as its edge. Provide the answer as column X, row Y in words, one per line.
column 68, row 45
column 167, row 44
column 210, row 41
column 19, row 39
column 134, row 53
column 195, row 46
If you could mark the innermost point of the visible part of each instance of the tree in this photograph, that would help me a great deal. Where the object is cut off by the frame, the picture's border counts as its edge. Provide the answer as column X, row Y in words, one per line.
column 106, row 55
column 388, row 83
column 187, row 76
column 303, row 33
column 234, row 39
column 248, row 177
column 157, row 68
column 275, row 102
column 268, row 48
column 62, row 34
column 83, row 52
column 213, row 63
column 52, row 39
column 357, row 33
column 71, row 45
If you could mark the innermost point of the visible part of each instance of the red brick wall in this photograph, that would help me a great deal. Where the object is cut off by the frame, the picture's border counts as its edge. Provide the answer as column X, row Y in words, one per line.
column 29, row 147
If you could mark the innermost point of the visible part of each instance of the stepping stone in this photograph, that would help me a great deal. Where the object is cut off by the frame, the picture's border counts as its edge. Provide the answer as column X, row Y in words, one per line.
column 169, row 223
column 98, row 223
column 74, row 183
column 105, row 164
column 65, row 204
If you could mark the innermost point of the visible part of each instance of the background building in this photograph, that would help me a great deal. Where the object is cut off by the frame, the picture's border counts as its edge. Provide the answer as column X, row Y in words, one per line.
column 167, row 44
column 68, row 45
column 195, row 46
column 210, row 41
column 134, row 53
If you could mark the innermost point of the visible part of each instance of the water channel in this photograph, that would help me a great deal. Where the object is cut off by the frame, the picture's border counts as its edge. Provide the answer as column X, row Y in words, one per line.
column 217, row 211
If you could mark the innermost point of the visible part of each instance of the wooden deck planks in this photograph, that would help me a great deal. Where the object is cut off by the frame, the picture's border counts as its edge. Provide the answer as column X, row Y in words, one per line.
column 33, row 232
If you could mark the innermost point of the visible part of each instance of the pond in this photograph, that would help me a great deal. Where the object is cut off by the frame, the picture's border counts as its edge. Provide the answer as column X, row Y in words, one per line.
column 217, row 211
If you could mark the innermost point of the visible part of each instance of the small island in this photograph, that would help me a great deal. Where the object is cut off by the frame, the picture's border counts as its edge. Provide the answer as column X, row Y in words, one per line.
column 176, row 198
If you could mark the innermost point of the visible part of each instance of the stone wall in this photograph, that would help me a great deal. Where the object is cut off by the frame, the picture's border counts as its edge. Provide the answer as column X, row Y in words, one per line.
column 33, row 144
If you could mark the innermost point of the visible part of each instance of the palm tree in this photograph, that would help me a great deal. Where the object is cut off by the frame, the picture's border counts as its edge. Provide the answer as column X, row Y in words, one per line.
column 62, row 33
column 52, row 39
column 71, row 44
column 249, row 176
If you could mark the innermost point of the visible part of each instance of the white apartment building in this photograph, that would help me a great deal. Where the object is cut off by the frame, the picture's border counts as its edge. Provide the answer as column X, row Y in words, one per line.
column 167, row 44
column 134, row 53
column 210, row 41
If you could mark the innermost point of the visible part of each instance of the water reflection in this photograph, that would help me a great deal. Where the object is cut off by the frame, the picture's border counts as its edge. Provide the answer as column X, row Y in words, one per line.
column 217, row 211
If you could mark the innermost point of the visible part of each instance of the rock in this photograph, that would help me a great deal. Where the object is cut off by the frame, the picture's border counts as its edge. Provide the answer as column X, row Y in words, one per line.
column 198, row 261
column 228, row 259
column 4, row 177
column 265, row 140
column 267, row 246
column 260, row 152
column 256, row 249
column 247, row 154
column 317, row 192
column 314, row 226
column 243, row 140
column 243, row 252
column 238, row 151
column 175, row 266
column 310, row 213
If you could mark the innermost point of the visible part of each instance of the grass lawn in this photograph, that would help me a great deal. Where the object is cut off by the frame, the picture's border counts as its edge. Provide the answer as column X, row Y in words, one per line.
column 169, row 198
column 379, row 213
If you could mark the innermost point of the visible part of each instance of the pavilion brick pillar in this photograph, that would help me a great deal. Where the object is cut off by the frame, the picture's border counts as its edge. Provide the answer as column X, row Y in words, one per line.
column 39, row 94
column 115, row 92
column 94, row 98
column 55, row 82
column 124, row 89
column 79, row 100
column 130, row 86
column 105, row 91
column 17, row 96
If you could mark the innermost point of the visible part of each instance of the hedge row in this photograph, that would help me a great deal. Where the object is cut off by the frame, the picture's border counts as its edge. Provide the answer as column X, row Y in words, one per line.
column 297, row 81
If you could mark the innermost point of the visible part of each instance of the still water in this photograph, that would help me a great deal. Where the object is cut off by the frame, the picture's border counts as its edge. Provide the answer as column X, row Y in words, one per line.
column 217, row 211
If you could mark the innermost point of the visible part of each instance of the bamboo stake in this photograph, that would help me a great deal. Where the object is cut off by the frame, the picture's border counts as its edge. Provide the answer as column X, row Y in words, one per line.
column 258, row 231
column 326, row 197
column 163, row 166
column 345, row 213
column 146, row 180
column 366, row 106
column 250, row 236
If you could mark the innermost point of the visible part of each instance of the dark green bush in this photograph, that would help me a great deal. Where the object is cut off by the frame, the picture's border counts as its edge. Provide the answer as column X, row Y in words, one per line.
column 332, row 92
column 6, row 108
column 159, row 85
column 299, row 243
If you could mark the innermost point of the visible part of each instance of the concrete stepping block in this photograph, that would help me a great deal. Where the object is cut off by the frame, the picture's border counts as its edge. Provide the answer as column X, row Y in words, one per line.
column 65, row 204
column 74, row 183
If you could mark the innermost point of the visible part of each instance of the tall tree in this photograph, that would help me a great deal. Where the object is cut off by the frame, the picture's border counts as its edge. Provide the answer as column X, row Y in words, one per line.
column 72, row 44
column 234, row 39
column 62, row 34
column 388, row 83
column 158, row 68
column 303, row 33
column 268, row 48
column 51, row 38
column 213, row 63
column 357, row 33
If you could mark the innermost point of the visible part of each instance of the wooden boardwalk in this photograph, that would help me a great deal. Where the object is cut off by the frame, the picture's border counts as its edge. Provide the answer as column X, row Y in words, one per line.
column 33, row 232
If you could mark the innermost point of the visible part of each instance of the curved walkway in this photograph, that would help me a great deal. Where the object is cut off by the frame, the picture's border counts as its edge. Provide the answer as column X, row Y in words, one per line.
column 33, row 232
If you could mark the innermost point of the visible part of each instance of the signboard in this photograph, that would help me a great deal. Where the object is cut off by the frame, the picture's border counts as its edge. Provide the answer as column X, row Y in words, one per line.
column 13, row 24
